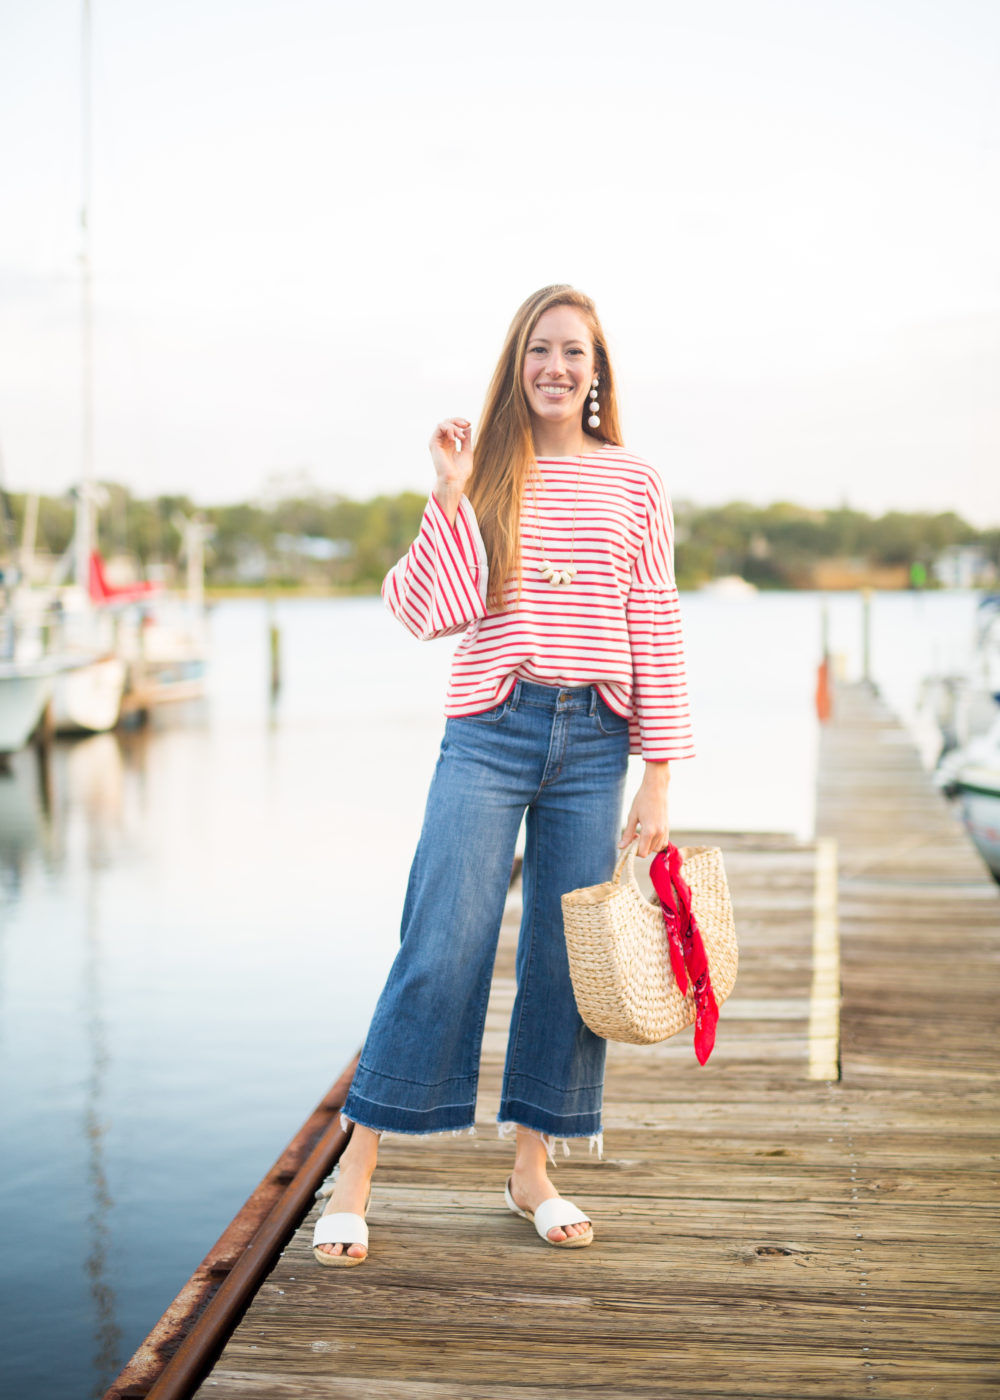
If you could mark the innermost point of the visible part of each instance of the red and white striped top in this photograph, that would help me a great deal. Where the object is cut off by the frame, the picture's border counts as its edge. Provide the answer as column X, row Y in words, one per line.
column 616, row 626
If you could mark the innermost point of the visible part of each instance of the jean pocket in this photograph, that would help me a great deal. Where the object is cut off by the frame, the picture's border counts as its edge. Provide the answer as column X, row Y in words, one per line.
column 607, row 721
column 493, row 716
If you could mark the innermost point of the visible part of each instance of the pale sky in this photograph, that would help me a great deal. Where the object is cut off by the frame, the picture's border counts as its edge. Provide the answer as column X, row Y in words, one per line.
column 312, row 221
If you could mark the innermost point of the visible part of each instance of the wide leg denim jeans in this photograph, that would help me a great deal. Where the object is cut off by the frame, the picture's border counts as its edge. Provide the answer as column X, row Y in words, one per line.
column 561, row 756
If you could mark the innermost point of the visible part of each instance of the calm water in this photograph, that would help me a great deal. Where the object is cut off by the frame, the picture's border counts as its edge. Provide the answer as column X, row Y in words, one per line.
column 195, row 921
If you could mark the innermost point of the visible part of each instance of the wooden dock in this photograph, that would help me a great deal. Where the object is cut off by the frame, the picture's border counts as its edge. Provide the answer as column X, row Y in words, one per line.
column 764, row 1226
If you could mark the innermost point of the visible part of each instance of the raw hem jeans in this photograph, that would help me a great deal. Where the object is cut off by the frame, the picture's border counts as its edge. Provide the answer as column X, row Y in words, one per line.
column 562, row 755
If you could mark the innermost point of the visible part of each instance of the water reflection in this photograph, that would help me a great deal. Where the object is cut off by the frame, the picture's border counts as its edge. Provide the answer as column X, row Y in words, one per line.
column 94, row 790
column 25, row 804
column 43, row 795
column 107, row 1354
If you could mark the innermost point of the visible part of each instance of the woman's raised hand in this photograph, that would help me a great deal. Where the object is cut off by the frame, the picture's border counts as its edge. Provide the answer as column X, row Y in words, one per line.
column 451, row 452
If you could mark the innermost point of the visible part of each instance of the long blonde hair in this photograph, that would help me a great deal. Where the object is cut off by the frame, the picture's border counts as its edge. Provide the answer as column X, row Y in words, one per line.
column 504, row 450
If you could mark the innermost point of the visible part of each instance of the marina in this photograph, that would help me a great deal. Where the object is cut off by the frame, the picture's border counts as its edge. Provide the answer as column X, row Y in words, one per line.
column 196, row 918
column 78, row 657
column 754, row 472
column 814, row 1212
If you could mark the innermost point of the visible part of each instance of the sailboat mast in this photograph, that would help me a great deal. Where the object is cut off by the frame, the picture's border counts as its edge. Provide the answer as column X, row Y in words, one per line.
column 84, row 536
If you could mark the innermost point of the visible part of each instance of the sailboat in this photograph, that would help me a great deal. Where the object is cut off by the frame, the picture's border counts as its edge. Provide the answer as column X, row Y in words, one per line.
column 33, row 656
column 25, row 690
column 32, row 674
column 147, row 647
column 144, row 648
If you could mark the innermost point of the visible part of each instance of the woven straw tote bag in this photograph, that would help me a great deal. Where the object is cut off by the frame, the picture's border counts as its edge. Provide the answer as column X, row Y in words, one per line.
column 618, row 955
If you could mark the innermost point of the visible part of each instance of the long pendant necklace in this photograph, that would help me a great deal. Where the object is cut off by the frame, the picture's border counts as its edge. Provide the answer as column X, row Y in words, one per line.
column 558, row 574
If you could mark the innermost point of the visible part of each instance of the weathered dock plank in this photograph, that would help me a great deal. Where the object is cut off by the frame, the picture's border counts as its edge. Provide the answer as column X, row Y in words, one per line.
column 758, row 1233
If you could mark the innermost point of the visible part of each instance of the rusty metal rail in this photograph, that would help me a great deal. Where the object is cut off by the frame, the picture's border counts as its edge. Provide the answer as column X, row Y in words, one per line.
column 174, row 1358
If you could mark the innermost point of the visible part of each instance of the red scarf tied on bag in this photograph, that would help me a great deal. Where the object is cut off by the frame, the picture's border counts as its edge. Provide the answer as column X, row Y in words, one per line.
column 687, row 949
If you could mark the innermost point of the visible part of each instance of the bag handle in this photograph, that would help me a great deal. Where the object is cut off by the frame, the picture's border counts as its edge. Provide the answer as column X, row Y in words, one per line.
column 626, row 863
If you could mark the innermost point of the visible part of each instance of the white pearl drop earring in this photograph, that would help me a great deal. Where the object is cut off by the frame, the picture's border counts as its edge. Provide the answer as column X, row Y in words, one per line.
column 594, row 421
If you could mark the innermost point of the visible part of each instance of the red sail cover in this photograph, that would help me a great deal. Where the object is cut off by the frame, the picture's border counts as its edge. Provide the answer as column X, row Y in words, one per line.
column 687, row 949
column 101, row 591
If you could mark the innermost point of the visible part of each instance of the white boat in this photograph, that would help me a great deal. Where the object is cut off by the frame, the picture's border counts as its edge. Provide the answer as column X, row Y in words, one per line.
column 133, row 646
column 972, row 775
column 981, row 816
column 161, row 638
column 26, row 687
column 88, row 700
column 124, row 649
column 986, row 665
column 25, row 690
column 976, row 768
column 965, row 704
column 166, row 651
column 730, row 586
column 87, row 686
column 33, row 659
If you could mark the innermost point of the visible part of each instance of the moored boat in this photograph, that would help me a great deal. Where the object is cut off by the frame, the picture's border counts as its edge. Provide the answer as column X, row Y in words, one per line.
column 729, row 586
column 26, row 687
column 88, row 700
column 972, row 776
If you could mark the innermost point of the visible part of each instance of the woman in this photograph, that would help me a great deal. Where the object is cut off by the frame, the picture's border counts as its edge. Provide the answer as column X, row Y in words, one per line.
column 550, row 546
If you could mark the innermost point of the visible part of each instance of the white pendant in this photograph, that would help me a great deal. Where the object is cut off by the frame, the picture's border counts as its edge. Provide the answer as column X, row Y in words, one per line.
column 556, row 576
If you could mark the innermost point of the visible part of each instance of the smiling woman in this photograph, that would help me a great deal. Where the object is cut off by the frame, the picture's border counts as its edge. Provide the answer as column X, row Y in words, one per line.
column 561, row 672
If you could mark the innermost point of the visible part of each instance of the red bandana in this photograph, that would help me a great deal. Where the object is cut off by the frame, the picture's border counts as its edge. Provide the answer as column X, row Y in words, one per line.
column 687, row 951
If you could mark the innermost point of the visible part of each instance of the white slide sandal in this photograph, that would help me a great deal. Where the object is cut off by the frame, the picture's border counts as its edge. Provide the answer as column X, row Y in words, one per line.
column 557, row 1212
column 343, row 1227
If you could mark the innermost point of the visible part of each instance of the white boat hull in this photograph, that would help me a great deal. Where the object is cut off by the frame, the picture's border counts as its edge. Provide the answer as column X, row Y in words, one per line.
column 23, row 697
column 981, row 815
column 973, row 776
column 89, row 700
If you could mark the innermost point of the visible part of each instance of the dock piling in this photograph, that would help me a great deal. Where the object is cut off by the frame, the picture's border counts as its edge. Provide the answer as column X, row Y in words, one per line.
column 274, row 648
column 866, row 637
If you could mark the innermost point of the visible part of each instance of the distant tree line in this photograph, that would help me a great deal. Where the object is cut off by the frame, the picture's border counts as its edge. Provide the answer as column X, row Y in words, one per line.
column 778, row 546
column 317, row 539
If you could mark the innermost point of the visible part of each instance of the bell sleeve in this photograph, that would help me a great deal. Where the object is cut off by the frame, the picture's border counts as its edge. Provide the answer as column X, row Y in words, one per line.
column 439, row 586
column 660, row 723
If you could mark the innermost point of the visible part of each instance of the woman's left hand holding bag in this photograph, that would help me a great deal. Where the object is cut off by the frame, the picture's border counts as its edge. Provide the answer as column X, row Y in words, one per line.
column 649, row 815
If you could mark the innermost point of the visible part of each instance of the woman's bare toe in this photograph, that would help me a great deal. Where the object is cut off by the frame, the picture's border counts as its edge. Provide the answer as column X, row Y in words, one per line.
column 356, row 1251
column 567, row 1232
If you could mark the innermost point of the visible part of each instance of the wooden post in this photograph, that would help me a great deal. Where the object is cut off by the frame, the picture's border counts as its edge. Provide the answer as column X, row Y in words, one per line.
column 824, row 702
column 866, row 636
column 274, row 647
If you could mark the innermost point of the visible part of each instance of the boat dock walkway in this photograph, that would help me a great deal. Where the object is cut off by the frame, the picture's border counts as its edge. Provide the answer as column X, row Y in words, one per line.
column 813, row 1214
